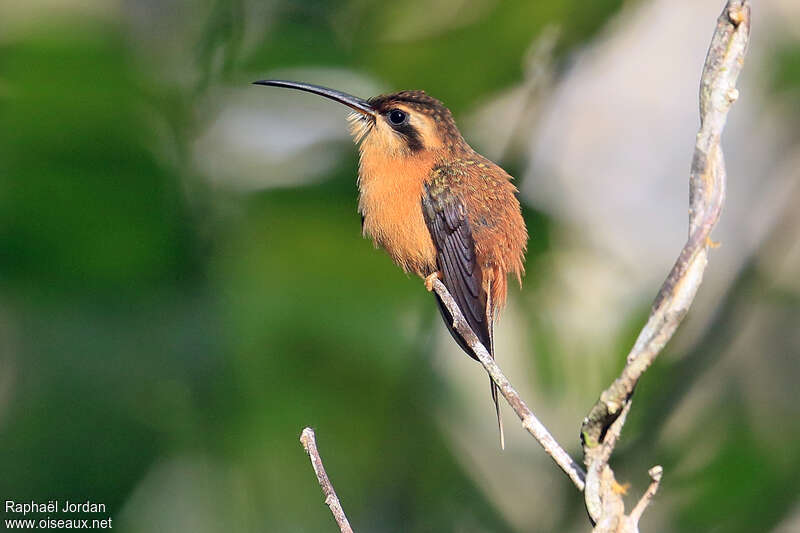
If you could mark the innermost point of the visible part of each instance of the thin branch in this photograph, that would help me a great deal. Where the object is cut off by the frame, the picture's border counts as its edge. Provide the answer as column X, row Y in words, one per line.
column 529, row 420
column 309, row 442
column 655, row 475
column 603, row 424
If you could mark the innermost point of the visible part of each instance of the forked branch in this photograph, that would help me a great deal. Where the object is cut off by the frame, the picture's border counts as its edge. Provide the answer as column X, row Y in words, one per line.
column 603, row 424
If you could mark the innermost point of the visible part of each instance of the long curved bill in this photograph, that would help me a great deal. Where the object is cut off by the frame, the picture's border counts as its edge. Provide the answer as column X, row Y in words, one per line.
column 353, row 102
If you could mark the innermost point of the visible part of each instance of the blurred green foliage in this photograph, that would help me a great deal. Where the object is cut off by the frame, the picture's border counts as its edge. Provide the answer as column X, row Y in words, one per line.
column 478, row 58
column 85, row 206
column 786, row 76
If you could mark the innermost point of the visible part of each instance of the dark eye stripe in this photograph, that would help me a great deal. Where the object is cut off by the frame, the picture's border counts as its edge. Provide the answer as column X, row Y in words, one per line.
column 411, row 136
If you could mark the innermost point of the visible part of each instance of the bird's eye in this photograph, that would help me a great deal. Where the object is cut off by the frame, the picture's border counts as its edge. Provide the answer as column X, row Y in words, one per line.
column 397, row 117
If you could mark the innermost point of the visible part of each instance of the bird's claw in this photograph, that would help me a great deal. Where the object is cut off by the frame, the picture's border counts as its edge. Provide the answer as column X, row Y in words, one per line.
column 431, row 279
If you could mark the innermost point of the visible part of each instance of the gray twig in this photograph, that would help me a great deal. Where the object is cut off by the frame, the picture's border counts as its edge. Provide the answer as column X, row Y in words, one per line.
column 529, row 421
column 602, row 426
column 655, row 475
column 309, row 442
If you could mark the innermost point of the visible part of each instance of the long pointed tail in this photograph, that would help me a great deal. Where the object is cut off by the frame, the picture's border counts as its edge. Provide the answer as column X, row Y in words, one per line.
column 486, row 336
column 497, row 410
column 490, row 314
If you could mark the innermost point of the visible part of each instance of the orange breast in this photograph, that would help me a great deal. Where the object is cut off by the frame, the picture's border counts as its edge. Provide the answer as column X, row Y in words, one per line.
column 390, row 200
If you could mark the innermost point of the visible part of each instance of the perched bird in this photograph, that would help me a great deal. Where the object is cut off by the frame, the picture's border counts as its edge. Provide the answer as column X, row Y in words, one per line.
column 434, row 204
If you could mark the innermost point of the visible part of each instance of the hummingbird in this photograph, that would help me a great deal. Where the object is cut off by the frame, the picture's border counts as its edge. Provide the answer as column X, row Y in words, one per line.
column 435, row 205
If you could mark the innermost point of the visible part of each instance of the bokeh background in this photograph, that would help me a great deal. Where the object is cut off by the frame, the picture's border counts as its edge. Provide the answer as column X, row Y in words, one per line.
column 184, row 287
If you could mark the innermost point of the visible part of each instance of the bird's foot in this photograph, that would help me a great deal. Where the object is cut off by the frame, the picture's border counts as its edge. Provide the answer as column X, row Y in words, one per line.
column 712, row 244
column 429, row 281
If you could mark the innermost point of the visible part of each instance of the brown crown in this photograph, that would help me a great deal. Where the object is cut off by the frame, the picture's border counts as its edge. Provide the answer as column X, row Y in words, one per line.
column 421, row 102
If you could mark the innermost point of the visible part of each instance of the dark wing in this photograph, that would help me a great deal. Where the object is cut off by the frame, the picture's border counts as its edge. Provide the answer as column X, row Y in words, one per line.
column 446, row 218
